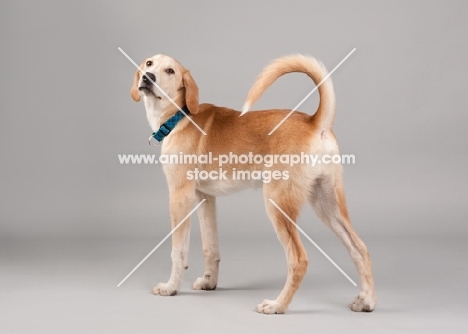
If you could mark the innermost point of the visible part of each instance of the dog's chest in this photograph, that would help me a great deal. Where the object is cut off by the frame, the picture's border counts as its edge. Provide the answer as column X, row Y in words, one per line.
column 153, row 114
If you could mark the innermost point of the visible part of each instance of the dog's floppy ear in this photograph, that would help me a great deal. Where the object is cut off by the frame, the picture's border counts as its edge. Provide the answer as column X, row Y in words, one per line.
column 191, row 92
column 134, row 91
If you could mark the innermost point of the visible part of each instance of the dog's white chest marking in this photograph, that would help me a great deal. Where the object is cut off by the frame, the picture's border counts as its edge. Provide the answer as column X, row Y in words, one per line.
column 153, row 113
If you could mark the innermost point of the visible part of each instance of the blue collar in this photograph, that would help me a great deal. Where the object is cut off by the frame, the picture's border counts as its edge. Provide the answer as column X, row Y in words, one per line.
column 170, row 124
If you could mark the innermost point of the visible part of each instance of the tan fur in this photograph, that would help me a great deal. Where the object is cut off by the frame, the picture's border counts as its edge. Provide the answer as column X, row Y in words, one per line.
column 191, row 92
column 226, row 132
column 134, row 91
column 298, row 63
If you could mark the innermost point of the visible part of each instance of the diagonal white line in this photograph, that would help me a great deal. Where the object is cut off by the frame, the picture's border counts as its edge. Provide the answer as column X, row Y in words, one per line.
column 313, row 90
column 312, row 241
column 165, row 238
column 161, row 90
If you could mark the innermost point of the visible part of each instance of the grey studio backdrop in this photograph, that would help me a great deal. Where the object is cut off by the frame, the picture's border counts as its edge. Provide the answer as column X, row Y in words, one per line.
column 74, row 221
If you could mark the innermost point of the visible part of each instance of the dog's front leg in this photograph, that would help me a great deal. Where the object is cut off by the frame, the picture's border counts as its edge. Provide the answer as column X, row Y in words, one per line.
column 209, row 233
column 181, row 201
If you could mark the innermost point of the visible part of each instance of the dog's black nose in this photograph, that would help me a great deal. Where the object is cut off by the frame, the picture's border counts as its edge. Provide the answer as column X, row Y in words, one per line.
column 151, row 77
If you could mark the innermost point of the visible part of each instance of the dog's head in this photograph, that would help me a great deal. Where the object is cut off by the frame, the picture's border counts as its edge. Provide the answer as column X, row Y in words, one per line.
column 171, row 77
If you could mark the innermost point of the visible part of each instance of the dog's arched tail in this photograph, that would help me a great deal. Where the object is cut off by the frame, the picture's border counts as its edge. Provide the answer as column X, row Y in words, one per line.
column 298, row 63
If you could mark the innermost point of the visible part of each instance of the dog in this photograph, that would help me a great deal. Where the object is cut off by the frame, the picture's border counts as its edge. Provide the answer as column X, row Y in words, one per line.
column 228, row 130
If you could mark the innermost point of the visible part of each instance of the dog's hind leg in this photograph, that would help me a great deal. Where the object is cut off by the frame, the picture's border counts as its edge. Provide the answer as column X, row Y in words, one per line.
column 289, row 198
column 182, row 198
column 328, row 199
column 209, row 234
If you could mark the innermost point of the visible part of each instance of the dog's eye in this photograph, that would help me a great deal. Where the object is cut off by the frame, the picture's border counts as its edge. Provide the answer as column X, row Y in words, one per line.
column 170, row 71
column 149, row 63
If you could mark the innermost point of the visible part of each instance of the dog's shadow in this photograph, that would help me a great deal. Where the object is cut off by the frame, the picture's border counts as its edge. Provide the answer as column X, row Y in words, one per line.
column 271, row 283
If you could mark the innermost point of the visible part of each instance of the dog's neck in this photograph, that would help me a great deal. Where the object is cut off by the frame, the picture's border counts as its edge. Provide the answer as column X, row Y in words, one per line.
column 159, row 111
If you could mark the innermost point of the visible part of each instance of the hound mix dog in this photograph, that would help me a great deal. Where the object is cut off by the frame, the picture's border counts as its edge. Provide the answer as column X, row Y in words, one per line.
column 320, row 185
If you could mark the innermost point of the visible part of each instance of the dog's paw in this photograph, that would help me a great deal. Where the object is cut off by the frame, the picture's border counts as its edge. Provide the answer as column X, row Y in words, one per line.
column 164, row 289
column 363, row 304
column 204, row 283
column 269, row 307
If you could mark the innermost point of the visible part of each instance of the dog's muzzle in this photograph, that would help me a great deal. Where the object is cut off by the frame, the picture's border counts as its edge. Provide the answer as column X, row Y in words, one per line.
column 147, row 81
column 149, row 77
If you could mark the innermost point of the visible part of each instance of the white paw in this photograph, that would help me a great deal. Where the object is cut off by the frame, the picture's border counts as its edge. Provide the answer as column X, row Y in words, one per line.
column 204, row 283
column 269, row 307
column 164, row 289
column 363, row 304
